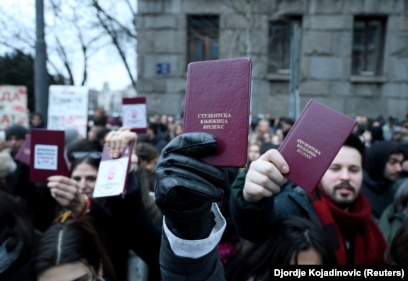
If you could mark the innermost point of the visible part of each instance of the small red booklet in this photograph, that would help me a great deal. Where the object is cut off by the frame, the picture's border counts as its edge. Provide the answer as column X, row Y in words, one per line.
column 218, row 102
column 313, row 143
column 112, row 173
column 23, row 154
column 47, row 155
column 134, row 114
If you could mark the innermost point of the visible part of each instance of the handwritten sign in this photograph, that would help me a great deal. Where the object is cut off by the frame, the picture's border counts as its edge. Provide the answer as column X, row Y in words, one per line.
column 13, row 106
column 68, row 108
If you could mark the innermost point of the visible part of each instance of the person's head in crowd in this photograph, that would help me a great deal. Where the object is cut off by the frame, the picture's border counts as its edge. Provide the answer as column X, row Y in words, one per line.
column 7, row 166
column 98, row 134
column 343, row 187
column 100, row 118
column 376, row 133
column 85, row 158
column 285, row 124
column 147, row 155
column 178, row 129
column 253, row 151
column 404, row 165
column 71, row 251
column 263, row 126
column 17, row 237
column 15, row 137
column 37, row 120
column 397, row 134
column 114, row 123
column 401, row 200
column 397, row 252
column 384, row 160
column 293, row 241
column 71, row 135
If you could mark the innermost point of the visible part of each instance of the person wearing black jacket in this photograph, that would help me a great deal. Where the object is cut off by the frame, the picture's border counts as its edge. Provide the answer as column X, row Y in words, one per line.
column 17, row 237
column 382, row 168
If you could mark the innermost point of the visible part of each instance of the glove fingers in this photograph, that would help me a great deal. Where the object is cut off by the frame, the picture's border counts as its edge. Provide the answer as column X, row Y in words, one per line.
column 195, row 186
column 188, row 166
column 193, row 144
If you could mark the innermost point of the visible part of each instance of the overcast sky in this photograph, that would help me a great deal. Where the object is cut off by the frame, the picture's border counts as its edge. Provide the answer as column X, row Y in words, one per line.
column 105, row 66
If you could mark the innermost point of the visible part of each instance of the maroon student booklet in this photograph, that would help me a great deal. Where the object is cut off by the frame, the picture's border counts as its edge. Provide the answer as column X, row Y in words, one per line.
column 23, row 154
column 313, row 143
column 134, row 114
column 218, row 102
column 47, row 155
column 113, row 173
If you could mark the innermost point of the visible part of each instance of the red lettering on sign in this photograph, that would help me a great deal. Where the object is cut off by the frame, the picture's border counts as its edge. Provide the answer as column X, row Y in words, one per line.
column 7, row 96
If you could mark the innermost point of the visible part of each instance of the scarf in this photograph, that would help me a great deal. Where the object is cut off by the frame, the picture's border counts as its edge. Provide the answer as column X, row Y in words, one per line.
column 369, row 243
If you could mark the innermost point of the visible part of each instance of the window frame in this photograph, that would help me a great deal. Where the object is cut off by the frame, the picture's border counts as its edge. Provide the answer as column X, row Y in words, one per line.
column 209, row 43
column 364, row 70
column 288, row 20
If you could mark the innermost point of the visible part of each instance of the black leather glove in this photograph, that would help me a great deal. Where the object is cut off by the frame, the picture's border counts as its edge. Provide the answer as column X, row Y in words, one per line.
column 185, row 186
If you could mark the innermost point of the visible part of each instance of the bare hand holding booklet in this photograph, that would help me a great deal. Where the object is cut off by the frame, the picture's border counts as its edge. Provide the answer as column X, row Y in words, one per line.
column 218, row 102
column 313, row 142
column 112, row 173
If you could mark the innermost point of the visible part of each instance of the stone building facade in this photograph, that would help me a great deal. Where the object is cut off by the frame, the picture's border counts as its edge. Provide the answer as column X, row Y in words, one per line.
column 352, row 54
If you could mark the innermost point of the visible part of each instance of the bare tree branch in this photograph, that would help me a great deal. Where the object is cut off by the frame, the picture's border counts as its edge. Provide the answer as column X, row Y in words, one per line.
column 116, row 31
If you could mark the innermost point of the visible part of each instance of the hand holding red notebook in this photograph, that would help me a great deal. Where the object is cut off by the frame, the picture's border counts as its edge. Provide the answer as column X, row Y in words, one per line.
column 112, row 173
column 313, row 142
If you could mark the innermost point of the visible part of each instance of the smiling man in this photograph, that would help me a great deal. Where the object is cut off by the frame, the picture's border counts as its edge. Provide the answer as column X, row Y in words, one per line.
column 264, row 196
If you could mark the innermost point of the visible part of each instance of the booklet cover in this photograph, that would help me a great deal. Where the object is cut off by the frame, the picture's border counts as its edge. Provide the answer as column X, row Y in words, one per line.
column 23, row 154
column 134, row 114
column 112, row 173
column 313, row 143
column 217, row 102
column 47, row 155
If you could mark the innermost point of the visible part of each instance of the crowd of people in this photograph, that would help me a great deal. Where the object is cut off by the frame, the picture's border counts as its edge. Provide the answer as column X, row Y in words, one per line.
column 180, row 213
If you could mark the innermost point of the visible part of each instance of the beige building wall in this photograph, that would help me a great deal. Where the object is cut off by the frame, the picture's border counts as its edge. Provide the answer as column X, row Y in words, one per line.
column 325, row 53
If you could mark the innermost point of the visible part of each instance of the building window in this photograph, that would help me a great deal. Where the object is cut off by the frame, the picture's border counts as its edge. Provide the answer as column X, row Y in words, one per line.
column 279, row 44
column 368, row 45
column 202, row 37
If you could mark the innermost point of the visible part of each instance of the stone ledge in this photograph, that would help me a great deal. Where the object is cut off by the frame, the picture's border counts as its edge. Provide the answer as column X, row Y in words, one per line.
column 367, row 79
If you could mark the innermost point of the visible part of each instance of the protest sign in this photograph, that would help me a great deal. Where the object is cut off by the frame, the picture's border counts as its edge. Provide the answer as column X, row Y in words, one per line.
column 68, row 108
column 13, row 106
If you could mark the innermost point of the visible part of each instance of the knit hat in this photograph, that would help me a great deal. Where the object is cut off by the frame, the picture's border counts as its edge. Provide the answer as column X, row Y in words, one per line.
column 16, row 130
column 7, row 164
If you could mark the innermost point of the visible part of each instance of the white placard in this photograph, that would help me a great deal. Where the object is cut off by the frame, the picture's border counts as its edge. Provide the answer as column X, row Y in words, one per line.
column 134, row 115
column 13, row 106
column 68, row 108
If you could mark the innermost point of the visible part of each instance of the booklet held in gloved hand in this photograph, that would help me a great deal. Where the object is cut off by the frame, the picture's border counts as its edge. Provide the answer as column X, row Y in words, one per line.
column 218, row 102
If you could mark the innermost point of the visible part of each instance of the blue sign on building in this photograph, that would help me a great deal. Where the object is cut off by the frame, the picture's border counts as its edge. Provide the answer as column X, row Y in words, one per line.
column 163, row 68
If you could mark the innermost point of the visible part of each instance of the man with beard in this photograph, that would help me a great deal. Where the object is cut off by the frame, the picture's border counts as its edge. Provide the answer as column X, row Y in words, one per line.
column 382, row 168
column 264, row 196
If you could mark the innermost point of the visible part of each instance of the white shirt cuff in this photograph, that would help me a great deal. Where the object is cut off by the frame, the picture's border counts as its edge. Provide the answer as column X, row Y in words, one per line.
column 197, row 248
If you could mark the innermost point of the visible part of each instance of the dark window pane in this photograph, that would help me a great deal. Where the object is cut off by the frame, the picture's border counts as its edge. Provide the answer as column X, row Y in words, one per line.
column 368, row 46
column 202, row 36
column 279, row 45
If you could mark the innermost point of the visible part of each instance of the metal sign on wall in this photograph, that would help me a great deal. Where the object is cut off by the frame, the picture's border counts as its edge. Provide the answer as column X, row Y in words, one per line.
column 163, row 68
